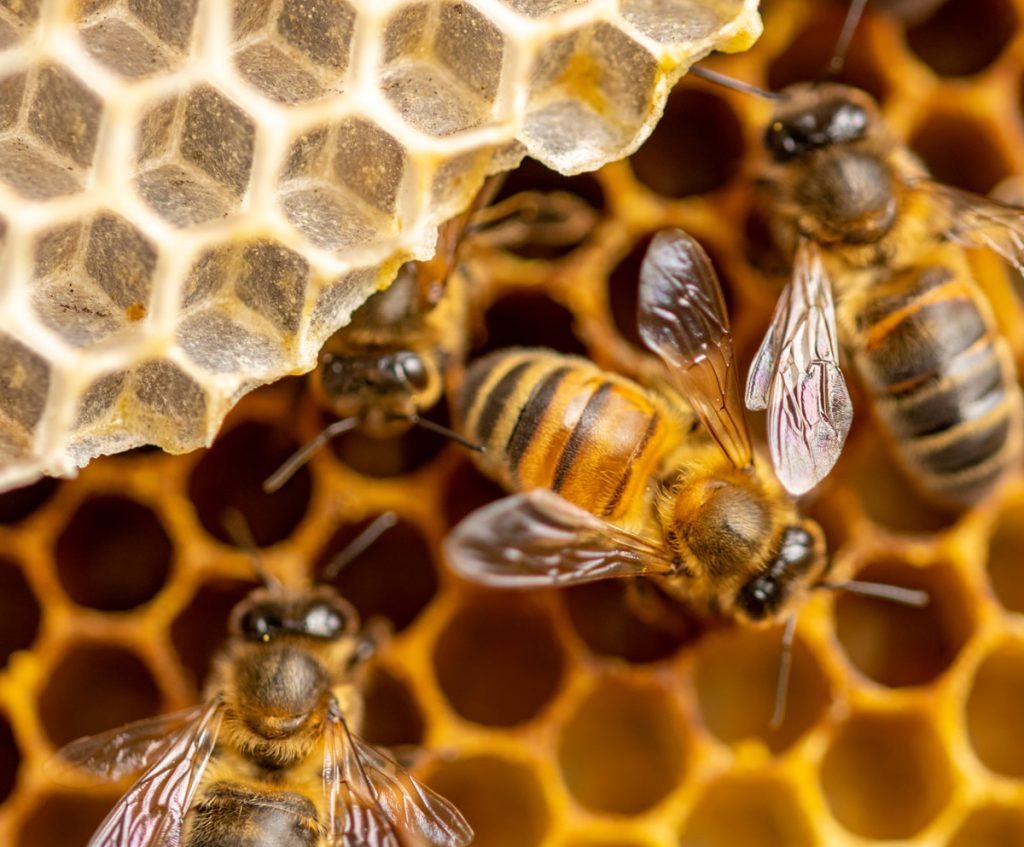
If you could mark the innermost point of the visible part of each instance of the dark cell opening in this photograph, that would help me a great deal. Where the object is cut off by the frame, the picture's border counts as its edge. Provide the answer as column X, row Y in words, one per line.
column 113, row 555
column 993, row 711
column 498, row 661
column 393, row 578
column 10, row 758
column 62, row 820
column 531, row 175
column 607, row 619
column 696, row 147
column 529, row 320
column 231, row 474
column 393, row 718
column 386, row 457
column 961, row 151
column 96, row 687
column 19, row 611
column 468, row 490
column 200, row 630
column 964, row 37
column 18, row 504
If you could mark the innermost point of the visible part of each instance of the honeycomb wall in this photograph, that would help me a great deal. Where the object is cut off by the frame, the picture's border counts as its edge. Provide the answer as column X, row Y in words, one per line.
column 197, row 193
column 558, row 719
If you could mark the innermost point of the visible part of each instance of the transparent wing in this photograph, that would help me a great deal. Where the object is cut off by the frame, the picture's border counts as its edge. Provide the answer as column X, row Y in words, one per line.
column 540, row 539
column 152, row 812
column 981, row 221
column 370, row 796
column 796, row 375
column 683, row 319
column 126, row 750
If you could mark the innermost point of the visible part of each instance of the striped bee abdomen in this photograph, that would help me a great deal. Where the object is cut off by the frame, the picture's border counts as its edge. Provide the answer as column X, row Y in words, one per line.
column 944, row 383
column 559, row 422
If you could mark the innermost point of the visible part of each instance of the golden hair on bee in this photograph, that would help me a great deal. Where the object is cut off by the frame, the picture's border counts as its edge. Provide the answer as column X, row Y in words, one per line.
column 271, row 755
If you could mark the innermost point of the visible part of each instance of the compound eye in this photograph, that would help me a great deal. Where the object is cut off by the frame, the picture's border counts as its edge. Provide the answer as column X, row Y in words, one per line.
column 415, row 373
column 323, row 620
column 780, row 141
column 261, row 624
column 849, row 122
column 760, row 597
column 798, row 549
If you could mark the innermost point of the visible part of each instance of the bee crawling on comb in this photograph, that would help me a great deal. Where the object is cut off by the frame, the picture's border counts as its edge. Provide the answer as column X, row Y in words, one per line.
column 271, row 757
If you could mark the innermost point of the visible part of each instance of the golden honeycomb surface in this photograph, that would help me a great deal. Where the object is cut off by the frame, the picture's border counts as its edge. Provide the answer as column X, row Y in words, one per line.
column 558, row 719
column 194, row 194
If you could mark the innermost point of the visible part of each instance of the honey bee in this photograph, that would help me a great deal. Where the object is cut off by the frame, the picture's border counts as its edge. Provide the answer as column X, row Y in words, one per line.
column 866, row 225
column 391, row 362
column 615, row 479
column 270, row 758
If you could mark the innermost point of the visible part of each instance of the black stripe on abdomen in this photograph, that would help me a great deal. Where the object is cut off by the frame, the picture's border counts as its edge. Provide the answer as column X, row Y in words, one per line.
column 530, row 416
column 494, row 403
column 580, row 433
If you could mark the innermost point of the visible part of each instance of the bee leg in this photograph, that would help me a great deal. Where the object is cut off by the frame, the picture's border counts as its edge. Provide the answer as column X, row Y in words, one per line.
column 654, row 608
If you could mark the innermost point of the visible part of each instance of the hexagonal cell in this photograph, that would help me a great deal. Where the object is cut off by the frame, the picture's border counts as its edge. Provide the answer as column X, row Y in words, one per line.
column 218, row 343
column 696, row 147
column 169, row 402
column 589, row 79
column 810, row 50
column 678, row 21
column 64, row 114
column 124, row 47
column 393, row 717
column 528, row 319
column 736, row 677
column 605, row 616
column 230, row 476
column 964, row 37
column 94, row 280
column 898, row 645
column 10, row 758
column 95, row 687
column 502, row 800
column 1004, row 571
column 393, row 456
column 961, row 150
column 622, row 751
column 320, row 29
column 202, row 627
column 19, row 611
column 394, row 578
column 886, row 776
column 498, row 660
column 91, row 559
column 991, row 826
column 20, row 503
column 748, row 809
column 62, row 819
column 442, row 69
column 467, row 490
column 993, row 706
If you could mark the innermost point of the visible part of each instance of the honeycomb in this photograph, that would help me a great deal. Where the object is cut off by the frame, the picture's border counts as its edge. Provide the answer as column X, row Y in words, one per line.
column 558, row 719
column 197, row 193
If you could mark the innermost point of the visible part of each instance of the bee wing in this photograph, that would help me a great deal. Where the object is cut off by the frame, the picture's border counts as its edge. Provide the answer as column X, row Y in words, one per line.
column 682, row 318
column 380, row 796
column 540, row 539
column 981, row 221
column 796, row 376
column 152, row 812
column 125, row 750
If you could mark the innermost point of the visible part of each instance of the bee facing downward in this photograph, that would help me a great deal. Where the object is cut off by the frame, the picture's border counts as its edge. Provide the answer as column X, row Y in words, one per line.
column 618, row 480
column 270, row 758
column 856, row 210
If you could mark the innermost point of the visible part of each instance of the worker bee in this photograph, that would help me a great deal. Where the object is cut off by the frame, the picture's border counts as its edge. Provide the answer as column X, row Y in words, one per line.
column 392, row 361
column 879, row 267
column 270, row 758
column 615, row 479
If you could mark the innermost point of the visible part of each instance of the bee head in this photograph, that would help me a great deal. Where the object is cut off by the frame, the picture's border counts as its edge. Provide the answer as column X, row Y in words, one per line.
column 798, row 563
column 268, row 614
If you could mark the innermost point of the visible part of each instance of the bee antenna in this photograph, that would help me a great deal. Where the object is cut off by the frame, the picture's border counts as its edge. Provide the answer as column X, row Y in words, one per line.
column 734, row 84
column 240, row 533
column 447, row 433
column 785, row 671
column 297, row 459
column 853, row 16
column 881, row 590
column 367, row 536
